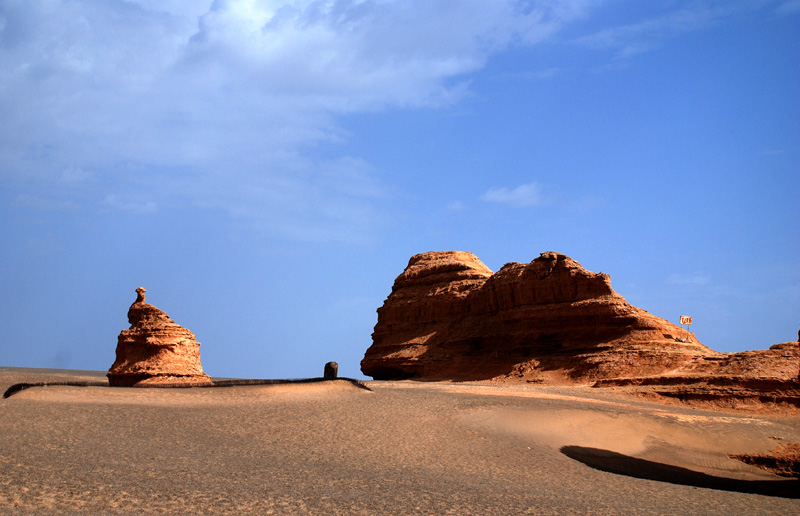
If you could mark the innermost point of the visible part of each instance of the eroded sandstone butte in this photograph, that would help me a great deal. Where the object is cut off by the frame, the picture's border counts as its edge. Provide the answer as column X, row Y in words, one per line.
column 450, row 317
column 155, row 351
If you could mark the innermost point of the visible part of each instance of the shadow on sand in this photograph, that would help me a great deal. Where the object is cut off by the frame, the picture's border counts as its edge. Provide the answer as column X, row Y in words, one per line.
column 17, row 387
column 613, row 462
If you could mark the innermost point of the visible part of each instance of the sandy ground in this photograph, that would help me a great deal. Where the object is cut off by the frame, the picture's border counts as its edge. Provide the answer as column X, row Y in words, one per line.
column 404, row 448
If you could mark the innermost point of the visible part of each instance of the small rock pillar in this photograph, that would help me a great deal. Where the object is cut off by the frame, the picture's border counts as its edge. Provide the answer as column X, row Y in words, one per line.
column 331, row 371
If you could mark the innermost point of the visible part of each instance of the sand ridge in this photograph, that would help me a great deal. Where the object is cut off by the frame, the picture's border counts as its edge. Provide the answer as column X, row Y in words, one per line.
column 189, row 397
column 702, row 446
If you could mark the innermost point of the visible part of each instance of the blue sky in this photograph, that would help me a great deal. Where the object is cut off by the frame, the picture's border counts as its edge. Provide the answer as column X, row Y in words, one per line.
column 267, row 168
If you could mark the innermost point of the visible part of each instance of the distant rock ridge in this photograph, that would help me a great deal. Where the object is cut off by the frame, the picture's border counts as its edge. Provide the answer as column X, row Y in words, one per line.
column 155, row 351
column 449, row 317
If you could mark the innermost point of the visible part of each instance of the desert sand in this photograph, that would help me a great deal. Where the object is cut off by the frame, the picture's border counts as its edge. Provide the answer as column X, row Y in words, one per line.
column 399, row 448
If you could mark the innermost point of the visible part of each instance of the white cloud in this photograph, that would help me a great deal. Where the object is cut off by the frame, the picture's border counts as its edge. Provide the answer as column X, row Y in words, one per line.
column 538, row 75
column 520, row 197
column 73, row 175
column 357, row 55
column 456, row 206
column 630, row 40
column 178, row 101
column 309, row 201
column 640, row 37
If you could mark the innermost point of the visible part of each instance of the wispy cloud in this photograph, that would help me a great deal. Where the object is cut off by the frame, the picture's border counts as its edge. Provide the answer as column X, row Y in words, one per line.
column 636, row 38
column 520, row 197
column 536, row 75
column 456, row 206
column 74, row 175
column 218, row 104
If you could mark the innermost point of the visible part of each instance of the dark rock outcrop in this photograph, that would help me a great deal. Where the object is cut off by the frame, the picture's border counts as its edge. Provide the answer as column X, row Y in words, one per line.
column 330, row 371
column 155, row 351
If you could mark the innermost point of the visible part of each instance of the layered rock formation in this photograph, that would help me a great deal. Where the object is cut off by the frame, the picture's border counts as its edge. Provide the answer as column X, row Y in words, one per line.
column 155, row 351
column 753, row 380
column 783, row 460
column 449, row 317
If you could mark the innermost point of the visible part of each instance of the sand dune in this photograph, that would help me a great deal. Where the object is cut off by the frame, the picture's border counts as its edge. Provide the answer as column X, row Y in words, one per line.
column 403, row 448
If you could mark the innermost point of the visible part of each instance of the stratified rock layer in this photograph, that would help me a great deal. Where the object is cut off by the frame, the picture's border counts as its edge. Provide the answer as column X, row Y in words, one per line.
column 155, row 351
column 783, row 460
column 751, row 380
column 450, row 317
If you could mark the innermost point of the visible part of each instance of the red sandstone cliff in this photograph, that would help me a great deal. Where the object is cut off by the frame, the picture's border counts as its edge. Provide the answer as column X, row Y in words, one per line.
column 450, row 317
column 155, row 351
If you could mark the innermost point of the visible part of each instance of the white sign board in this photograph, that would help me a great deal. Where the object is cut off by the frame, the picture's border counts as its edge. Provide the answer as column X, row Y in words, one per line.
column 686, row 319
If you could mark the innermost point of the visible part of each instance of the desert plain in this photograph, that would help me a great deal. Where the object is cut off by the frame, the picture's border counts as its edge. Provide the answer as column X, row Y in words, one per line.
column 333, row 447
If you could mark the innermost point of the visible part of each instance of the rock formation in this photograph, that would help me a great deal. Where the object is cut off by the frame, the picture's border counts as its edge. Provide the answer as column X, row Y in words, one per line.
column 783, row 460
column 753, row 380
column 449, row 317
column 331, row 371
column 155, row 351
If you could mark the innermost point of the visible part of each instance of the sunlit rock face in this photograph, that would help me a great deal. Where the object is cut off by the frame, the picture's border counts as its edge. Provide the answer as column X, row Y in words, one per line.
column 155, row 351
column 449, row 317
